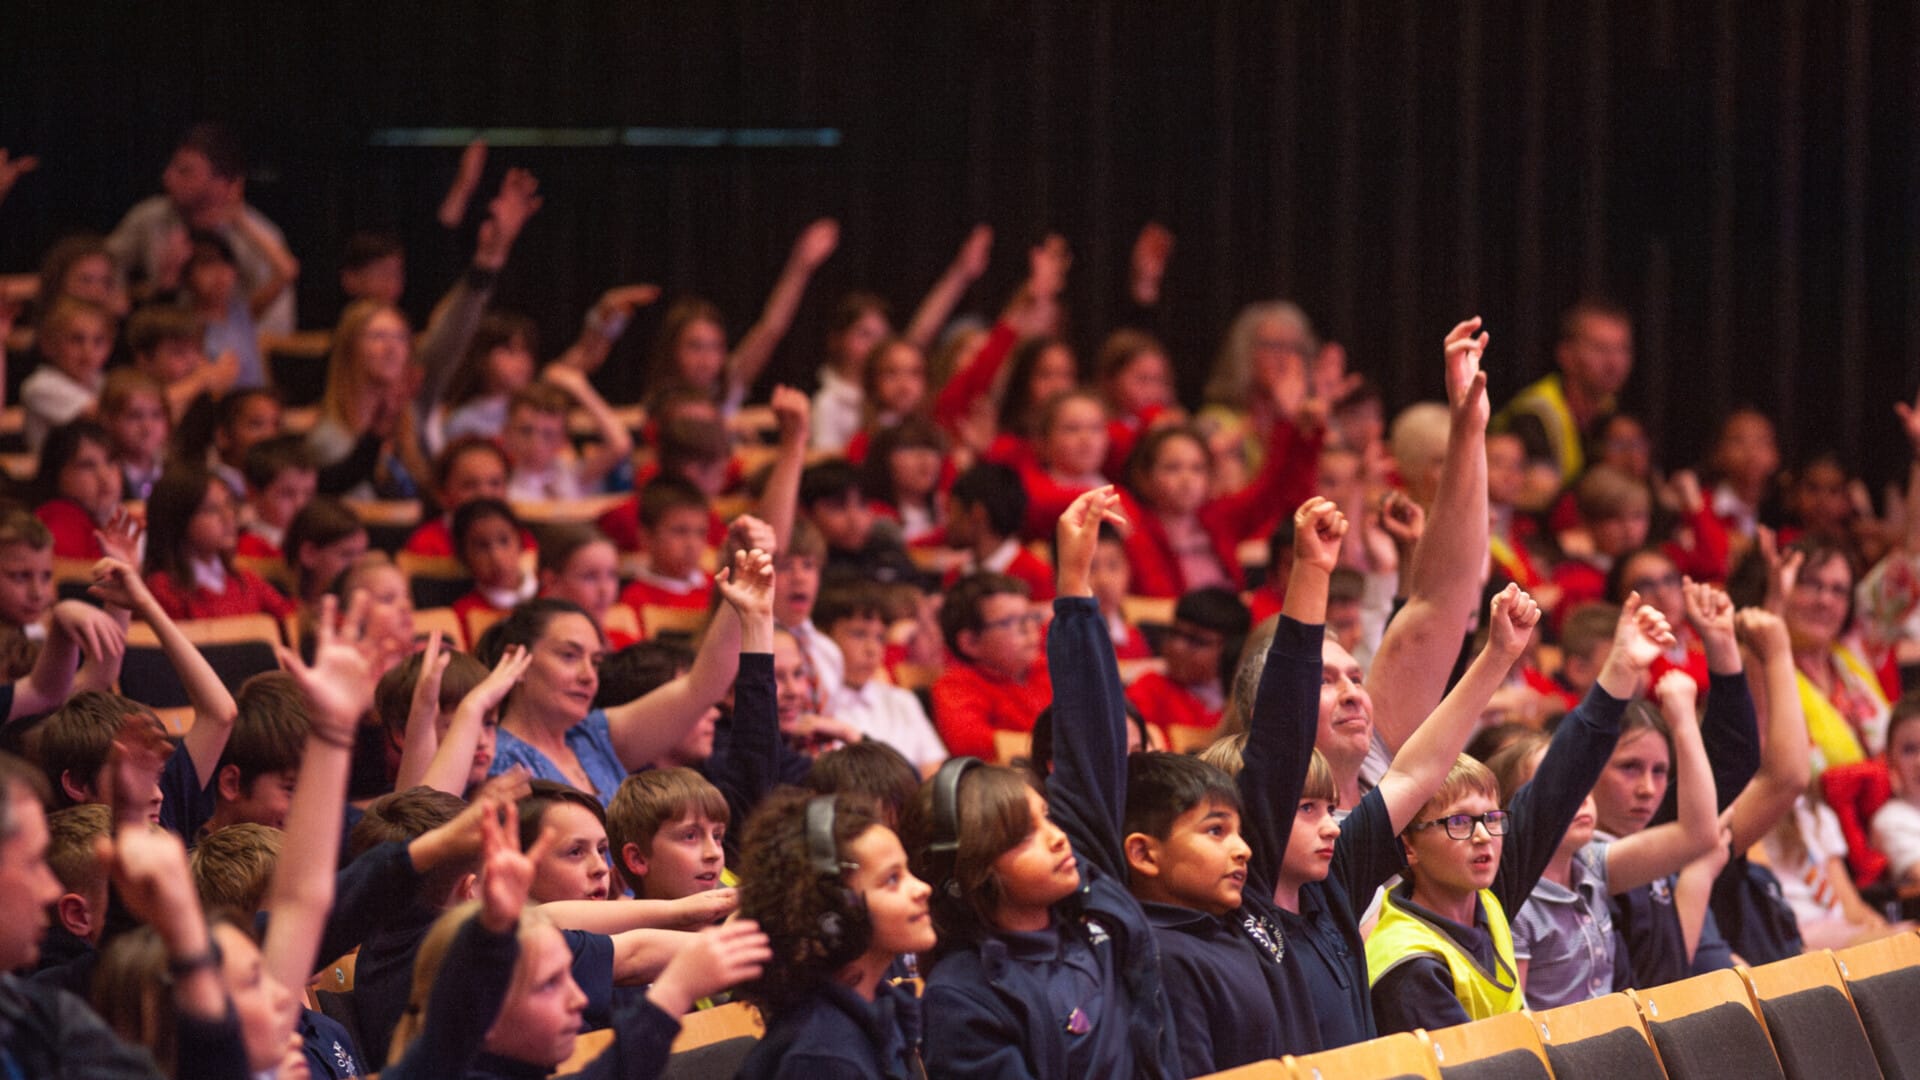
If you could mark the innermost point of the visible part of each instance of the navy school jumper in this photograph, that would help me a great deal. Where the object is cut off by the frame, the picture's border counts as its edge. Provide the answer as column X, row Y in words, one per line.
column 1237, row 987
column 1323, row 938
column 837, row 1035
column 987, row 1008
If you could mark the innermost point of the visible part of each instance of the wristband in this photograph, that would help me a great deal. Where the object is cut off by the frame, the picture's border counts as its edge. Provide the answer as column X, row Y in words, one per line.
column 609, row 327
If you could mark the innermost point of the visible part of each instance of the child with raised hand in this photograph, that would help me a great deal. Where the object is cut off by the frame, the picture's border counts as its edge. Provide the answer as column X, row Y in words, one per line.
column 1321, row 873
column 192, row 534
column 1046, row 966
column 1442, row 952
column 536, row 440
column 493, row 995
column 451, row 750
column 692, row 342
column 1563, row 938
column 828, row 881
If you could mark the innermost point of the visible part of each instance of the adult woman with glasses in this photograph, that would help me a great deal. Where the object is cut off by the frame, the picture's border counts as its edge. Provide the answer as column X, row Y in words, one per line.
column 1442, row 952
column 1845, row 706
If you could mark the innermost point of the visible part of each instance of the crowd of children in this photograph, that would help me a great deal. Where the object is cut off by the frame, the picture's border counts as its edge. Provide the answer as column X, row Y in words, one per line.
column 981, row 713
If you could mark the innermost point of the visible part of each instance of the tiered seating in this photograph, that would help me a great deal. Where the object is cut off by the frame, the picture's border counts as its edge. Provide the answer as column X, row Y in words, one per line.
column 1841, row 1014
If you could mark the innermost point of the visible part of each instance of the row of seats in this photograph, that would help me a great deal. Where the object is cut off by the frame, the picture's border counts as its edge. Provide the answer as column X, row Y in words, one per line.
column 1823, row 1015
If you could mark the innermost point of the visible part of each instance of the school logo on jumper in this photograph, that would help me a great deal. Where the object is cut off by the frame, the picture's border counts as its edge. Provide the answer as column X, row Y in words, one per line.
column 1662, row 891
column 1264, row 934
column 1096, row 934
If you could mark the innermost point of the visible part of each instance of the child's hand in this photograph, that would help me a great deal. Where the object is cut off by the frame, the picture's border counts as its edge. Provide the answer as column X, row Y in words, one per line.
column 460, row 838
column 1783, row 571
column 492, row 690
column 518, row 200
column 794, row 411
column 817, row 243
column 1404, row 520
column 116, row 582
column 1514, row 616
column 1466, row 383
column 570, row 379
column 506, row 874
column 1318, row 528
column 1640, row 637
column 128, row 781
column 1677, row 693
column 13, row 168
column 1767, row 633
column 748, row 584
column 1710, row 612
column 425, row 706
column 717, row 958
column 975, row 252
column 620, row 301
column 745, row 533
column 120, row 537
column 1079, row 537
column 149, row 868
column 339, row 684
column 696, row 910
column 97, row 633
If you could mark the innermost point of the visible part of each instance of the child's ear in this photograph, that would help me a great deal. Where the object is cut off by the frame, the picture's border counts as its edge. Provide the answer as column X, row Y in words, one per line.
column 966, row 640
column 75, row 914
column 1143, row 854
column 632, row 859
column 228, row 779
column 75, row 790
column 467, row 888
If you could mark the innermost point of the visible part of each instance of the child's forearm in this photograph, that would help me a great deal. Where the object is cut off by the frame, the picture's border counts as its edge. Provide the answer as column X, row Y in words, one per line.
column 301, row 893
column 453, row 758
column 213, row 708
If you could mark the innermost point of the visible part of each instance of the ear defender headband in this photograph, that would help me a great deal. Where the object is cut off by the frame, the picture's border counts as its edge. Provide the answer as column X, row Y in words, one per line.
column 843, row 930
column 944, row 849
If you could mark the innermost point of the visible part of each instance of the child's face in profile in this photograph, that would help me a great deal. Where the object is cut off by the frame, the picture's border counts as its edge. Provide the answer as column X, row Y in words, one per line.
column 684, row 858
column 482, row 749
column 79, row 346
column 278, row 502
column 492, row 553
column 1903, row 759
column 896, row 901
column 1310, row 848
column 26, row 583
column 534, row 439
column 542, row 1013
column 576, row 868
column 863, row 640
column 1203, row 860
column 675, row 544
column 265, row 801
column 92, row 480
column 139, row 429
column 1041, row 870
column 845, row 522
column 261, row 1002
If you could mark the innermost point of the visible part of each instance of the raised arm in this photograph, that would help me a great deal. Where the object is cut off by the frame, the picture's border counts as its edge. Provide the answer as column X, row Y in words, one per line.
column 780, row 498
column 453, row 758
column 339, row 688
column 750, row 355
column 457, row 316
column 649, row 726
column 76, row 629
column 1417, row 654
column 1285, row 716
column 1785, row 760
column 213, row 709
column 1633, row 861
column 616, row 442
column 1730, row 729
column 1430, row 752
column 1088, row 788
column 945, row 295
column 605, row 322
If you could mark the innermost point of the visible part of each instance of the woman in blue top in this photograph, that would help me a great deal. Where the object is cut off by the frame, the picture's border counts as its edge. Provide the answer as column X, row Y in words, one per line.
column 1048, row 965
column 547, row 723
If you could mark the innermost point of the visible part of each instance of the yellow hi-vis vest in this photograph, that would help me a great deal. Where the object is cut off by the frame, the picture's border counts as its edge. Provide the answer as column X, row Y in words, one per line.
column 1546, row 400
column 1402, row 935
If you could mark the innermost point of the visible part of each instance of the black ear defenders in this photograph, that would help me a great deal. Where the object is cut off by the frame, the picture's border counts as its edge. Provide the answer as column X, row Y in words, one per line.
column 944, row 848
column 843, row 929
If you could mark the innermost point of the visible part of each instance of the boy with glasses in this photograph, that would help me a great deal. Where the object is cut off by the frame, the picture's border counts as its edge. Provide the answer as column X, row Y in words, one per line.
column 998, row 679
column 1442, row 953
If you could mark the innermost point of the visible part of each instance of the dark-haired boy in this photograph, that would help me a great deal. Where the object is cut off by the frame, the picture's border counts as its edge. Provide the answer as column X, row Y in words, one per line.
column 168, row 343
column 281, row 478
column 855, row 617
column 998, row 680
column 985, row 509
column 255, row 778
column 858, row 549
column 673, row 534
column 1201, row 651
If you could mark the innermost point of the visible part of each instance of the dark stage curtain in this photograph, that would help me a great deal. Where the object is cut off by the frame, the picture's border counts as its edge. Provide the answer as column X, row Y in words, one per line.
column 1744, row 176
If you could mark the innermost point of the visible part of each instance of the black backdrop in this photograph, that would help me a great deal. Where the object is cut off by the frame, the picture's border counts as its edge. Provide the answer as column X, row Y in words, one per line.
column 1743, row 175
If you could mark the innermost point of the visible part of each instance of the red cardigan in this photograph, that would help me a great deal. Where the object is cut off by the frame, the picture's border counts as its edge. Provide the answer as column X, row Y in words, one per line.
column 72, row 528
column 1285, row 481
column 246, row 594
column 1165, row 703
column 969, row 706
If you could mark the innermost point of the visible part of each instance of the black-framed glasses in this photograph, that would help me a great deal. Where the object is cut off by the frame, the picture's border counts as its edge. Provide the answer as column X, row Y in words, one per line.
column 1460, row 826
